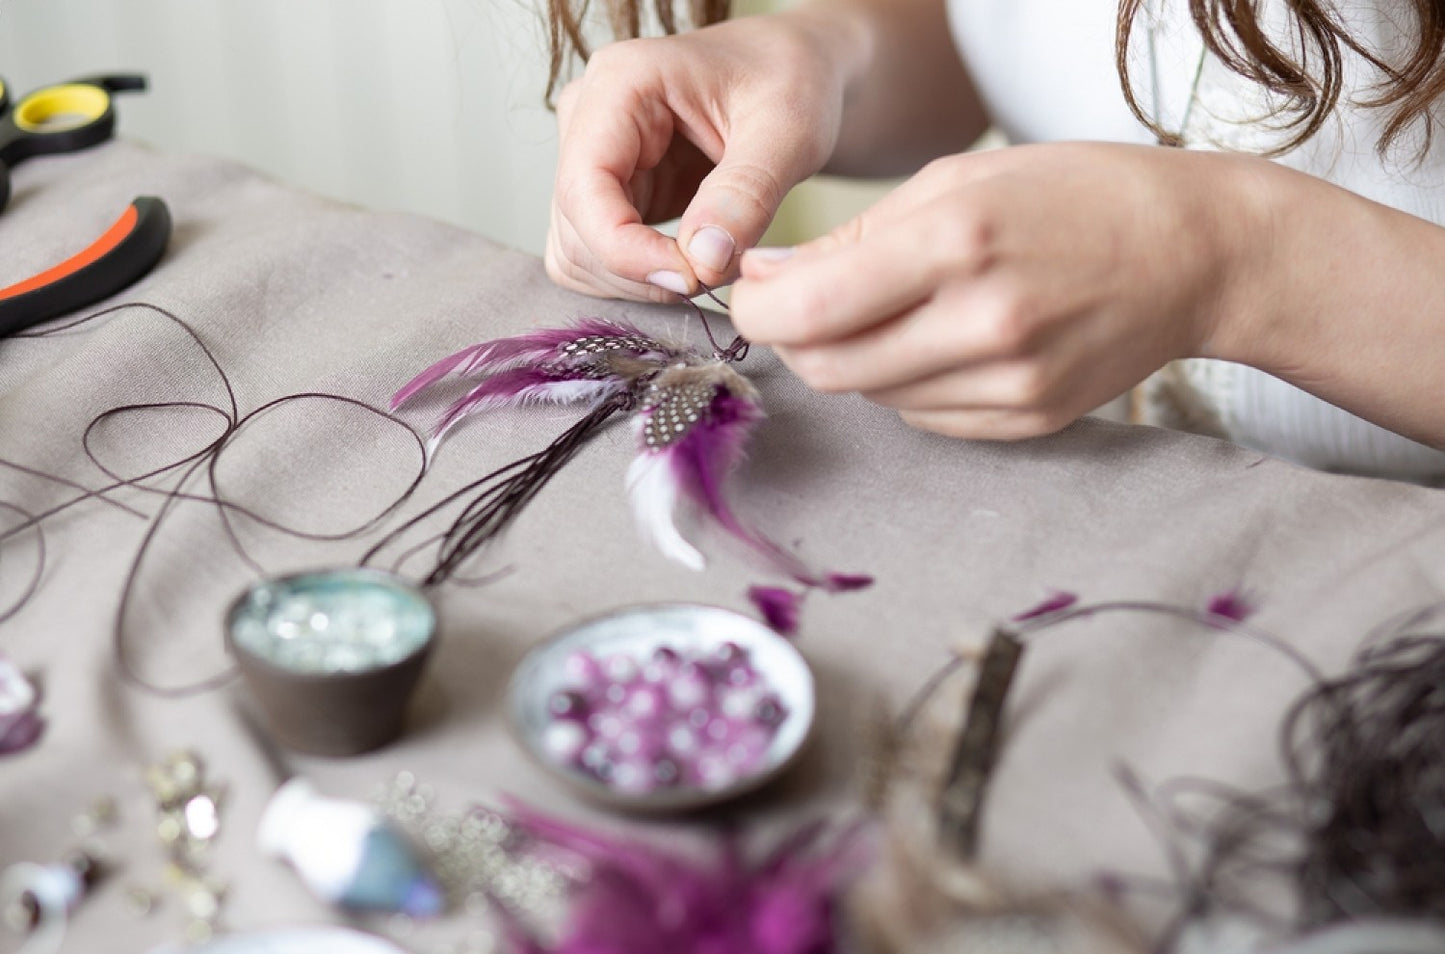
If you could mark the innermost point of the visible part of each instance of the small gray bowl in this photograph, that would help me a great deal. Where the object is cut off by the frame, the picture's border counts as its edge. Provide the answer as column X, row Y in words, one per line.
column 327, row 709
column 637, row 632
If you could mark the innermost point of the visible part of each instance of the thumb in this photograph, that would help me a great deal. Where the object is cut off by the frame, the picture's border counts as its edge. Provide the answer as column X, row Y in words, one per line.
column 732, row 209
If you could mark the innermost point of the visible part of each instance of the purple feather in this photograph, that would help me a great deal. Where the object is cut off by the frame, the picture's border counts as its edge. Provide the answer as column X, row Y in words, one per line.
column 694, row 425
column 20, row 722
column 20, row 731
column 1234, row 605
column 527, row 386
column 846, row 582
column 780, row 607
column 548, row 346
column 637, row 898
column 1056, row 603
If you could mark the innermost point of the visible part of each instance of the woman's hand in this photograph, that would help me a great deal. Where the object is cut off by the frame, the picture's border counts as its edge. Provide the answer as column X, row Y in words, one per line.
column 1002, row 295
column 715, row 126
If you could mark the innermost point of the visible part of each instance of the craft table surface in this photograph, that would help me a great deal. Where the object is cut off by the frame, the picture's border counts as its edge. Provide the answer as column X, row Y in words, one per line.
column 295, row 293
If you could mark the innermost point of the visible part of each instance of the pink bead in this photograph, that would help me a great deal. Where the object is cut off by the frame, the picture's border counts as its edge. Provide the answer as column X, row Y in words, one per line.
column 770, row 711
column 719, row 729
column 682, row 739
column 738, row 703
column 564, row 741
column 646, row 703
column 714, row 771
column 607, row 725
column 634, row 776
column 582, row 670
column 619, row 668
column 689, row 689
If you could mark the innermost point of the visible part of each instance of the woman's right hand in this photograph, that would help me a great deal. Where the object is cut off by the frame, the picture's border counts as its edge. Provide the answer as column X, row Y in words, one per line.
column 714, row 126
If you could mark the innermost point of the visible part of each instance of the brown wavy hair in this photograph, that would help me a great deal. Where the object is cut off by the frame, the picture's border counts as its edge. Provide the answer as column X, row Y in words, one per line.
column 1306, row 79
column 566, row 30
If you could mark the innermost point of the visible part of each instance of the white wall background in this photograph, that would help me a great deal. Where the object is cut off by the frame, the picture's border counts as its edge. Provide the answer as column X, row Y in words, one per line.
column 433, row 106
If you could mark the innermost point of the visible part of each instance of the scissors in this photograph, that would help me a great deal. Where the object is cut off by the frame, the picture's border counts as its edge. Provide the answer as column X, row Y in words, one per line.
column 64, row 118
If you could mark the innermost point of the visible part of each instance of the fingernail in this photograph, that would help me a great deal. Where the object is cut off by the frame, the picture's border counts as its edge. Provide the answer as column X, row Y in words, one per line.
column 775, row 253
column 712, row 247
column 669, row 281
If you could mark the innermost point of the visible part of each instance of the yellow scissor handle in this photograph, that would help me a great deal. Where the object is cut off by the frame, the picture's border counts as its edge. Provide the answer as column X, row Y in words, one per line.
column 58, row 108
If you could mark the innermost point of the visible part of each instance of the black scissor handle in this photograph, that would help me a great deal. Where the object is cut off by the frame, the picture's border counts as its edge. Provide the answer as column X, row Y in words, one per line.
column 126, row 251
column 63, row 117
column 112, row 82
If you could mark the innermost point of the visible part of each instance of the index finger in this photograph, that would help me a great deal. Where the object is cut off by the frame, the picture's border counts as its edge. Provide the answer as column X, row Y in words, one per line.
column 821, row 295
column 602, row 148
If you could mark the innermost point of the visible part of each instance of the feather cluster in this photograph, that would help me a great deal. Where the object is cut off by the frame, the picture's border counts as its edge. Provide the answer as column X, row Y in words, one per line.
column 693, row 416
column 584, row 364
column 635, row 897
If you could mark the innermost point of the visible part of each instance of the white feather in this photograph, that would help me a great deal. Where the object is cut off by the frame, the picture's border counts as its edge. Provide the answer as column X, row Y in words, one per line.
column 556, row 392
column 653, row 492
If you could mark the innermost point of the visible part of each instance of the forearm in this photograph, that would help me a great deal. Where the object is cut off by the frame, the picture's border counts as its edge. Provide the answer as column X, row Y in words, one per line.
column 1342, row 297
column 909, row 98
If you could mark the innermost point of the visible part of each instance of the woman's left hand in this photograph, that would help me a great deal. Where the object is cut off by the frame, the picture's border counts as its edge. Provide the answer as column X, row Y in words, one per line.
column 1003, row 294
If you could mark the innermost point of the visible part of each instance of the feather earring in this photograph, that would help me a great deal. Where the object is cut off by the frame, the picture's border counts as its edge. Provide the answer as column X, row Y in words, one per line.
column 693, row 415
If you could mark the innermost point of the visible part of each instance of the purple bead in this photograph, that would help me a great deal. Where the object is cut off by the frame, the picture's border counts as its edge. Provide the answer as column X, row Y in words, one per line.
column 690, row 688
column 699, row 718
column 630, row 742
column 593, row 755
column 567, row 704
column 682, row 739
column 615, row 694
column 748, row 748
column 719, row 729
column 564, row 741
column 739, row 703
column 770, row 711
column 633, row 776
column 620, row 668
column 646, row 703
column 666, row 772
column 583, row 670
column 740, row 675
column 607, row 725
column 731, row 653
column 714, row 771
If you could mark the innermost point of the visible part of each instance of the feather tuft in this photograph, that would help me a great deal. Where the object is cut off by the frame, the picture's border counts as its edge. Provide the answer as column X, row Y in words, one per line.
column 1235, row 605
column 1057, row 602
column 582, row 346
column 20, row 720
column 654, row 493
column 639, row 898
column 780, row 607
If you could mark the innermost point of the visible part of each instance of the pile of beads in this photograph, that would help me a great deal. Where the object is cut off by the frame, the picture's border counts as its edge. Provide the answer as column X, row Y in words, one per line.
column 672, row 719
column 336, row 621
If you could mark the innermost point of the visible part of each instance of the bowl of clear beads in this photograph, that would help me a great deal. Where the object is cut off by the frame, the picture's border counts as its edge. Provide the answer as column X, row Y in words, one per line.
column 332, row 656
column 667, row 707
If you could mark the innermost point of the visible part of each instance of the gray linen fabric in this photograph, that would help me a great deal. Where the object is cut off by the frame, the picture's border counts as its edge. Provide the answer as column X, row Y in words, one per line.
column 294, row 293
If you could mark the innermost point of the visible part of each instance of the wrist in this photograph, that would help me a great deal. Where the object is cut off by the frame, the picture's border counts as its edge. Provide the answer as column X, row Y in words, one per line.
column 843, row 33
column 1243, row 201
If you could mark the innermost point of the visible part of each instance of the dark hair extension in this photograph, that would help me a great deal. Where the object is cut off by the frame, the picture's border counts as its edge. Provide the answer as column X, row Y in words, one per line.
column 1354, row 832
column 566, row 34
column 1310, row 82
column 501, row 496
